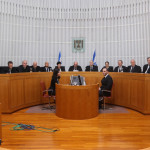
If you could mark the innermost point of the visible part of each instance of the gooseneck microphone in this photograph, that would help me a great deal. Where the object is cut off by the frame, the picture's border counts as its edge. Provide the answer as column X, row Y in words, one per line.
column 79, row 80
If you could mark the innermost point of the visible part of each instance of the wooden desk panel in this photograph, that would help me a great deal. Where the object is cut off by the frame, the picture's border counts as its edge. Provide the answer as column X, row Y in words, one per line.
column 4, row 92
column 22, row 90
column 77, row 102
column 146, row 95
column 32, row 89
column 0, row 125
column 16, row 96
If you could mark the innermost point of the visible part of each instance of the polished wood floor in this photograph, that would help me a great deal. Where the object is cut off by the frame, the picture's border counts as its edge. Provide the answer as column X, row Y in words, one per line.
column 129, row 131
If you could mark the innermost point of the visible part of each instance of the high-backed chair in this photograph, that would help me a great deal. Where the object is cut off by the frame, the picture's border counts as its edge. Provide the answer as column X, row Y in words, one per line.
column 46, row 95
column 106, row 97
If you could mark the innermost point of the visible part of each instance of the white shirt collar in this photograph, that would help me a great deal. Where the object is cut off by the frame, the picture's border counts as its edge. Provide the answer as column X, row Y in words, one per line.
column 106, row 76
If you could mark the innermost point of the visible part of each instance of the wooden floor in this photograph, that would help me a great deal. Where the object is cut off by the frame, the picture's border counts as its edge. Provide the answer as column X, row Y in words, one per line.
column 129, row 131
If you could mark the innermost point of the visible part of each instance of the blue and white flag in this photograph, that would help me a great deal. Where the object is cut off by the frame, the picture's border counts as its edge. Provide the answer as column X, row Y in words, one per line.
column 94, row 58
column 59, row 56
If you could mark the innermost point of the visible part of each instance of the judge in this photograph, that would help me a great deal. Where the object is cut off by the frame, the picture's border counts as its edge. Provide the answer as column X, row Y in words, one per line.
column 24, row 67
column 133, row 67
column 75, row 67
column 120, row 67
column 109, row 68
column 91, row 67
column 10, row 68
column 59, row 67
column 146, row 68
column 35, row 67
column 46, row 68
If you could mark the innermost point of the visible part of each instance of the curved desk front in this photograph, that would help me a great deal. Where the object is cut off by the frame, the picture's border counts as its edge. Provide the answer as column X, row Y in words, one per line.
column 22, row 90
column 77, row 102
column 0, row 126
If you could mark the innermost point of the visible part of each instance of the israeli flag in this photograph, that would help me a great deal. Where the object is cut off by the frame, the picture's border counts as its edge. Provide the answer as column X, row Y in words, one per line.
column 59, row 56
column 94, row 58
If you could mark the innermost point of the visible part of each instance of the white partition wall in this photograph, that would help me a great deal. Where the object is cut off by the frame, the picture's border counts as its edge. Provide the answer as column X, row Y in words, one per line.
column 36, row 30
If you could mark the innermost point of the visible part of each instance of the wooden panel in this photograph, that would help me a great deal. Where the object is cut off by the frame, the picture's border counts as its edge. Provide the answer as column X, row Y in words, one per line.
column 16, row 98
column 121, row 89
column 4, row 92
column 77, row 102
column 137, row 89
column 146, row 106
column 46, row 77
column 32, row 89
column 23, row 89
column 0, row 125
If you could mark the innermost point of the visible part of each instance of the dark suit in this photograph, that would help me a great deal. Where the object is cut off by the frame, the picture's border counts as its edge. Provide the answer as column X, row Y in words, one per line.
column 21, row 69
column 72, row 68
column 94, row 68
column 1, row 71
column 123, row 67
column 135, row 69
column 145, row 68
column 46, row 69
column 62, row 68
column 110, row 68
column 13, row 70
column 52, row 86
column 107, row 83
column 37, row 69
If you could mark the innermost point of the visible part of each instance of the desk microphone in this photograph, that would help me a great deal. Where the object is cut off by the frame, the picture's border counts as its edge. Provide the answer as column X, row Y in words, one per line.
column 79, row 80
column 71, row 79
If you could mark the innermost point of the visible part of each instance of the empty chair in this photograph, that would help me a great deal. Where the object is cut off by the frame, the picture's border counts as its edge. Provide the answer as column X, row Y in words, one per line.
column 46, row 95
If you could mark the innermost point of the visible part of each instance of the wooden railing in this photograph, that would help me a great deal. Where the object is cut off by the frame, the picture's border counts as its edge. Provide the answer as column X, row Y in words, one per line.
column 0, row 126
column 22, row 90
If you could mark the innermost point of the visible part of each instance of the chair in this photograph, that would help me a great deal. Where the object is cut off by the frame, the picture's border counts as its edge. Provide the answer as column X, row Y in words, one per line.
column 46, row 95
column 106, row 97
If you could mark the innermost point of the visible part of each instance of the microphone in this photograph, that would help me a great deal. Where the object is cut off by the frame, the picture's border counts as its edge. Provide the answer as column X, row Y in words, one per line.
column 71, row 79
column 79, row 80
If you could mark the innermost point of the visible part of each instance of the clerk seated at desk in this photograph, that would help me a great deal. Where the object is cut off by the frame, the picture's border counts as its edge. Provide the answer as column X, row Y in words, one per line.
column 10, row 68
column 75, row 67
column 107, row 83
column 55, row 79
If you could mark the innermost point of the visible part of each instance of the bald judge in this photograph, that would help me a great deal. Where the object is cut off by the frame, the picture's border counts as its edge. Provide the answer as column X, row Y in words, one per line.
column 35, row 67
column 75, row 67
column 133, row 68
column 24, row 67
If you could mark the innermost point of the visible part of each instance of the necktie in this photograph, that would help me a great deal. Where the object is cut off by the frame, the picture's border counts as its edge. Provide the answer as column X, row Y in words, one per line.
column 131, row 69
column 91, row 68
column 147, row 69
column 120, row 69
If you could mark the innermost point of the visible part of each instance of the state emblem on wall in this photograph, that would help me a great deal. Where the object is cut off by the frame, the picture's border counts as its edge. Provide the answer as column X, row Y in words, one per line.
column 78, row 45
